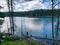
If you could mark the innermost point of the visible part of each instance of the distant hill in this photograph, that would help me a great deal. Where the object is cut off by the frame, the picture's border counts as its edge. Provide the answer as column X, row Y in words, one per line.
column 32, row 13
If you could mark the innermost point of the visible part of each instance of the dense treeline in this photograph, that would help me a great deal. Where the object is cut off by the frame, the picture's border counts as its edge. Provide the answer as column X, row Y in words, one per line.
column 34, row 13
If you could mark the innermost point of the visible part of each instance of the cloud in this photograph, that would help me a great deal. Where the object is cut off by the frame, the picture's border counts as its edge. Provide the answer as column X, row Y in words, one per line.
column 25, row 6
column 31, row 5
column 3, row 3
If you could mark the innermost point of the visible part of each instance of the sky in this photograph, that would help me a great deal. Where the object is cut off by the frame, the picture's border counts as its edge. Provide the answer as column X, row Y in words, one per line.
column 31, row 5
column 22, row 5
column 25, row 5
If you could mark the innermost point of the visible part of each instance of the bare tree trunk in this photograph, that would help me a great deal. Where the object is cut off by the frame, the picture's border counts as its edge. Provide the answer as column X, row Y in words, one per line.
column 52, row 22
column 12, row 16
column 57, row 27
column 10, row 7
column 8, row 3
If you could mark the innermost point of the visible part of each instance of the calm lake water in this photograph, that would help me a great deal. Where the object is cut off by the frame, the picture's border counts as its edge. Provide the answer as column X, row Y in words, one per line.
column 38, row 27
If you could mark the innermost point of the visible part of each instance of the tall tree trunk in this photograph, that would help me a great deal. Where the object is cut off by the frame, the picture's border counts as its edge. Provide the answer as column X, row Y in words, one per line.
column 52, row 22
column 57, row 27
column 8, row 3
column 12, row 16
column 10, row 7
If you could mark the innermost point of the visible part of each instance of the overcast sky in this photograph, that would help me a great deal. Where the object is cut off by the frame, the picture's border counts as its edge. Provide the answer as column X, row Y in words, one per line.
column 18, row 5
column 25, row 5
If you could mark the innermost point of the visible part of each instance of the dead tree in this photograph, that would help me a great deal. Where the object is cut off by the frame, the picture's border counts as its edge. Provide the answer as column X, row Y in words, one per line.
column 57, row 27
column 10, row 7
column 52, row 22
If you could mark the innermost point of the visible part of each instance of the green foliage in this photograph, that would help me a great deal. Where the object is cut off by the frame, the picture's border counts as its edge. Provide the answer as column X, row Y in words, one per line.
column 18, row 42
column 2, row 15
column 25, row 42
column 8, row 38
column 33, row 13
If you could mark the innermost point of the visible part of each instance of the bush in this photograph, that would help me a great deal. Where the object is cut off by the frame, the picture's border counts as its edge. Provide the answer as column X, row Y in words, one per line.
column 8, row 38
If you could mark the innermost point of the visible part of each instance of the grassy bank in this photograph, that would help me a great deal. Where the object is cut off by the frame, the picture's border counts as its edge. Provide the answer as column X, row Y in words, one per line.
column 17, row 42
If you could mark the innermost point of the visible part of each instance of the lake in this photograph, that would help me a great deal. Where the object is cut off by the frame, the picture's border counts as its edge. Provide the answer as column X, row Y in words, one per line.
column 38, row 27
